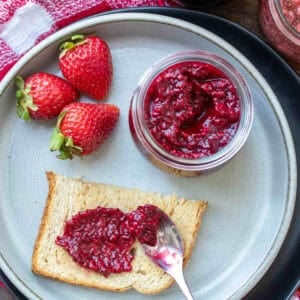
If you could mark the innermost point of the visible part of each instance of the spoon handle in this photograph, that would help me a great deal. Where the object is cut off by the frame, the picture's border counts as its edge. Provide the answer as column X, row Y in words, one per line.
column 182, row 284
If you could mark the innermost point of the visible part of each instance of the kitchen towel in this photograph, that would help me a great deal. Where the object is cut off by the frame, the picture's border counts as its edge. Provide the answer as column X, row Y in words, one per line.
column 24, row 23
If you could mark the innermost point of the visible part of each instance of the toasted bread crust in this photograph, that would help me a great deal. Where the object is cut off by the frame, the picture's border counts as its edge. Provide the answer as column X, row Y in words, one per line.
column 40, row 270
column 51, row 183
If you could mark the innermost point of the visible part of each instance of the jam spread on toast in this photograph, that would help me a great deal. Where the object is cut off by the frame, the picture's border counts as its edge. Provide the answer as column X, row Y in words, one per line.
column 101, row 239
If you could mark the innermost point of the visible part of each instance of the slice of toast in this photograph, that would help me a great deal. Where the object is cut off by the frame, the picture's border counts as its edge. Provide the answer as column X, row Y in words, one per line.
column 68, row 196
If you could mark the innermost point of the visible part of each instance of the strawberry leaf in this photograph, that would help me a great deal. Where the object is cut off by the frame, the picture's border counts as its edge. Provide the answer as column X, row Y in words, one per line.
column 64, row 154
column 19, row 82
column 23, row 113
column 63, row 144
column 24, row 99
column 66, row 46
column 57, row 140
column 76, row 39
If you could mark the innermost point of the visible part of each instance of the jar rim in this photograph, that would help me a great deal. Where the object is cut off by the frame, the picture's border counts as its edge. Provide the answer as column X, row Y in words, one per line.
column 221, row 156
column 286, row 28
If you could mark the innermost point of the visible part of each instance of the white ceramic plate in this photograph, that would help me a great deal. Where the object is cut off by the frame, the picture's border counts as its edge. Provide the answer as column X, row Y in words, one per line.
column 251, row 200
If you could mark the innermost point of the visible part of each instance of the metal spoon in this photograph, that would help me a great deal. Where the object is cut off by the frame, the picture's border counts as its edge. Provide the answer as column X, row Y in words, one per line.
column 168, row 252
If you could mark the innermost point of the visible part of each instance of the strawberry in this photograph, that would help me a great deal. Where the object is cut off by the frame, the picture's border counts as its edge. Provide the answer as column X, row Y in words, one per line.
column 86, row 63
column 42, row 96
column 82, row 128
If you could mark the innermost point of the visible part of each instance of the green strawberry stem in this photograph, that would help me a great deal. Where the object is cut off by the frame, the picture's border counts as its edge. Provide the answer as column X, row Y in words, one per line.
column 63, row 144
column 76, row 39
column 24, row 99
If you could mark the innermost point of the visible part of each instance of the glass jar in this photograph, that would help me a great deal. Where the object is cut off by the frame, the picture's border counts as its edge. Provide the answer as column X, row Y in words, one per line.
column 158, row 154
column 280, row 22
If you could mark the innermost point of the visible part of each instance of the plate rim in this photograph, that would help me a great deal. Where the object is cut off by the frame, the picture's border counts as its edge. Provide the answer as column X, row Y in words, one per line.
column 166, row 20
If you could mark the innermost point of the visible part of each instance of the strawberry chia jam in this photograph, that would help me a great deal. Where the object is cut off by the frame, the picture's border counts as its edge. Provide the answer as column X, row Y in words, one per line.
column 291, row 11
column 280, row 22
column 190, row 113
column 192, row 109
column 101, row 239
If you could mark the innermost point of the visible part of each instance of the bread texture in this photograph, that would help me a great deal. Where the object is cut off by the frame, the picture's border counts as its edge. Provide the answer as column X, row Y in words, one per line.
column 68, row 196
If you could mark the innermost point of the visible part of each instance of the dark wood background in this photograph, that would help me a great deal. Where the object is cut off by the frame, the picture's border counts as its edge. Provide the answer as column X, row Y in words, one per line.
column 245, row 13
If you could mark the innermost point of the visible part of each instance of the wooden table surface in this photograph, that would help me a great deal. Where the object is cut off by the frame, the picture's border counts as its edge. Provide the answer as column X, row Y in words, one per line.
column 245, row 13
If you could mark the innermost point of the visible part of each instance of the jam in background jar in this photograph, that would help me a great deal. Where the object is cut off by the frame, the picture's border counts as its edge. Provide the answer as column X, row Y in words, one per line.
column 280, row 22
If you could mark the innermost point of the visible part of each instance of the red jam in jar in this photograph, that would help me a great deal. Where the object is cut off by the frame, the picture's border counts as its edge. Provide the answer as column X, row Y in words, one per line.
column 101, row 239
column 280, row 22
column 192, row 109
column 291, row 11
column 191, row 113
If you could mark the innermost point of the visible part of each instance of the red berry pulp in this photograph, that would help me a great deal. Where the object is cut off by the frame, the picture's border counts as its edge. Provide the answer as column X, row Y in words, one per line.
column 291, row 11
column 192, row 109
column 280, row 22
column 101, row 239
column 145, row 221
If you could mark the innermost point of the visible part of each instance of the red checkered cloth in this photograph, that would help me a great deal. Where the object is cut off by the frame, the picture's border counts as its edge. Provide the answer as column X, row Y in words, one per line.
column 23, row 23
